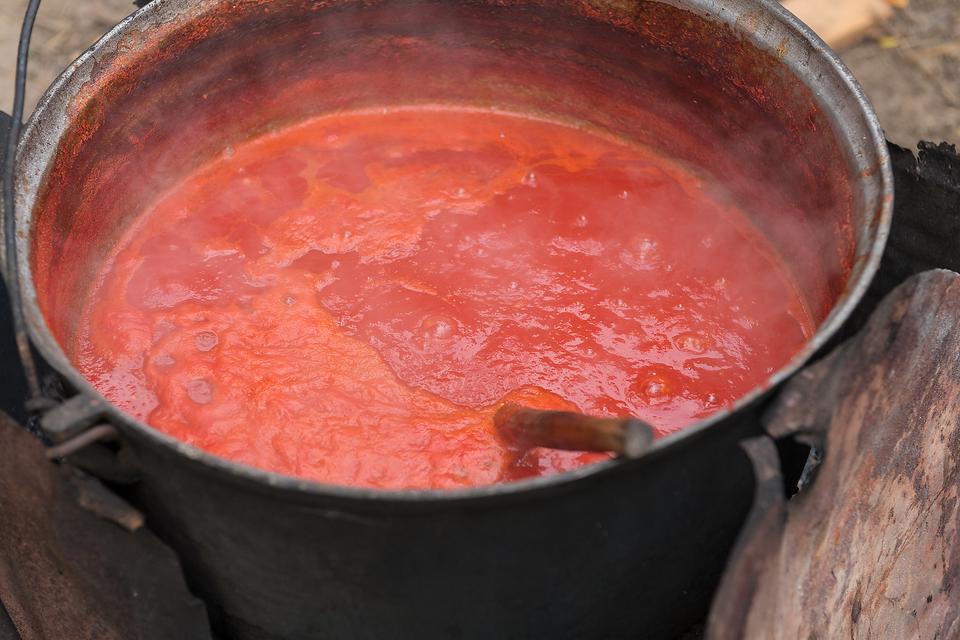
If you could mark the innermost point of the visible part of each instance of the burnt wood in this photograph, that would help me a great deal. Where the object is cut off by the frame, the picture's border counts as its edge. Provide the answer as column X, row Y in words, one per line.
column 870, row 549
column 926, row 222
column 68, row 571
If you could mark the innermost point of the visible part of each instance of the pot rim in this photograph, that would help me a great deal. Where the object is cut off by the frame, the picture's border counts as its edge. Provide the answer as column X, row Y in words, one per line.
column 160, row 11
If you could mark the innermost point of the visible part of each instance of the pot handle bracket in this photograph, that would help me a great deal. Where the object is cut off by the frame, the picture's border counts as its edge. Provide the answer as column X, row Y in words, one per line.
column 79, row 422
column 71, row 419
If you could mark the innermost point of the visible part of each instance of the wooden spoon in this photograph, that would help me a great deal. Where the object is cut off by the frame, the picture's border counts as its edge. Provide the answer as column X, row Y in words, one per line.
column 526, row 427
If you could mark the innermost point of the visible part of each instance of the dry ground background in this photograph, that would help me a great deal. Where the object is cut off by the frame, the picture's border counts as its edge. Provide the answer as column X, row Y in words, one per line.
column 909, row 66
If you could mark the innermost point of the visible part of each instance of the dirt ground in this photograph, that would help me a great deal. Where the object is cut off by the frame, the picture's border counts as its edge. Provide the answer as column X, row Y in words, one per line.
column 910, row 66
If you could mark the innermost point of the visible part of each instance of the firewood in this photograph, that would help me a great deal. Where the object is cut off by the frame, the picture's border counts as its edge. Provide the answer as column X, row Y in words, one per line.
column 871, row 548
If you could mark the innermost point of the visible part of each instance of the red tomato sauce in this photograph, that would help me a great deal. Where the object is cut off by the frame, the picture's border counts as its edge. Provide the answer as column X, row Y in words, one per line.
column 350, row 300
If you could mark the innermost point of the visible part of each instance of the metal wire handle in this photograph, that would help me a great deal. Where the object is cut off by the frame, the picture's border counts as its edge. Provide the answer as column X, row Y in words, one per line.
column 35, row 394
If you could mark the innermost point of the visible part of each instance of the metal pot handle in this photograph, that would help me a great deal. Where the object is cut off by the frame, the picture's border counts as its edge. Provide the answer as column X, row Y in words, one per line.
column 6, row 121
column 35, row 399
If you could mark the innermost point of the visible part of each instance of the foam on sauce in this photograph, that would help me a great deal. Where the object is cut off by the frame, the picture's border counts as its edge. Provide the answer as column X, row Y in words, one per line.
column 349, row 300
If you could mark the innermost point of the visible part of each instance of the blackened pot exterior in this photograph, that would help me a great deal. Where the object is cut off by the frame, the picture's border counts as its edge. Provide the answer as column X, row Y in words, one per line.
column 616, row 550
column 632, row 552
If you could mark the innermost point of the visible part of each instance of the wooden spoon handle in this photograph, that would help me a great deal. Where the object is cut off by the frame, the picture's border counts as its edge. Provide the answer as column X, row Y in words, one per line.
column 526, row 427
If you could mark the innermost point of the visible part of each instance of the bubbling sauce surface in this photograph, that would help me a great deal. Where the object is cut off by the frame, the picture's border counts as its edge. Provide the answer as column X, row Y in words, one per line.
column 350, row 300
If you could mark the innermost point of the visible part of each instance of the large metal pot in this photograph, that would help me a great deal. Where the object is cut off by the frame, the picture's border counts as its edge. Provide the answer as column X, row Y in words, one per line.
column 736, row 88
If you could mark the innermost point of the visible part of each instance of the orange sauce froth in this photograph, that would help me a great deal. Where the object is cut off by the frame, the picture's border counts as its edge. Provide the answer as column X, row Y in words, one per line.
column 351, row 299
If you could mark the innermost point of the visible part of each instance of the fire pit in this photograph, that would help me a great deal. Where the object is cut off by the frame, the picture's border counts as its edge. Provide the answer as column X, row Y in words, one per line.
column 738, row 89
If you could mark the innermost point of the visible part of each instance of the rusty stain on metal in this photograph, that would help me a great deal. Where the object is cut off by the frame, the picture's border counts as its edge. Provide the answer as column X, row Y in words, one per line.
column 782, row 47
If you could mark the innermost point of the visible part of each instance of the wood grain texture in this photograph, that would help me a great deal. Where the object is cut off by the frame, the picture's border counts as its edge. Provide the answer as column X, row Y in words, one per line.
column 67, row 574
column 840, row 22
column 871, row 549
